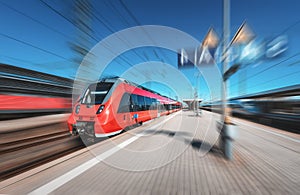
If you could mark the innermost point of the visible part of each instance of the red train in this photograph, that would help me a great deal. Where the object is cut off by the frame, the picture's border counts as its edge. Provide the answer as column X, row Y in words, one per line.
column 25, row 93
column 21, row 103
column 109, row 106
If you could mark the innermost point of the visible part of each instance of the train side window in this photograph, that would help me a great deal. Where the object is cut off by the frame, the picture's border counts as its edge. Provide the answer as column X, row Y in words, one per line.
column 134, row 102
column 141, row 101
column 148, row 103
column 160, row 107
column 167, row 106
column 153, row 104
column 124, row 105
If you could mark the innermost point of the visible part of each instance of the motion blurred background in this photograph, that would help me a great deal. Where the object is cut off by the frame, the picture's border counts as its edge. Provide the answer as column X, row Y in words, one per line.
column 43, row 43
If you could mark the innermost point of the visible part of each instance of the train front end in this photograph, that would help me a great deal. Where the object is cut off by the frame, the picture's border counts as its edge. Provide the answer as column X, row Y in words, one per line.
column 91, row 113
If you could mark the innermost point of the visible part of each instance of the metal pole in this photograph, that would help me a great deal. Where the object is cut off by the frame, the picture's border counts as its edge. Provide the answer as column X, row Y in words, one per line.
column 196, row 95
column 226, row 140
column 226, row 34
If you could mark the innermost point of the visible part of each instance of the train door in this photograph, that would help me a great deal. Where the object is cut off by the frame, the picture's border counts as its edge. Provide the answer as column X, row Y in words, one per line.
column 160, row 109
column 134, row 108
column 124, row 116
column 154, row 108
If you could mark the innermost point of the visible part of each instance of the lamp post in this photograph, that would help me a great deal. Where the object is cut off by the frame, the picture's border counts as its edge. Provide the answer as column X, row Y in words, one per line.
column 226, row 34
column 242, row 36
column 226, row 130
column 207, row 51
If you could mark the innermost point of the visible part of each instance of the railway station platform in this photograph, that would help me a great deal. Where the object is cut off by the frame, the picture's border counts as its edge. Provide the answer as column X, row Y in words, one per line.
column 174, row 154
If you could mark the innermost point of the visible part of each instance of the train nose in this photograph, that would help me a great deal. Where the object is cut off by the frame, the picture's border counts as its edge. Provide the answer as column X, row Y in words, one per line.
column 87, row 113
column 83, row 128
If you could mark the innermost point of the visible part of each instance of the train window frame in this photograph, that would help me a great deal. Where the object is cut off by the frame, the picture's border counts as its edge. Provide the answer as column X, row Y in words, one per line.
column 125, row 103
column 154, row 104
column 97, row 93
column 148, row 103
column 141, row 102
column 134, row 103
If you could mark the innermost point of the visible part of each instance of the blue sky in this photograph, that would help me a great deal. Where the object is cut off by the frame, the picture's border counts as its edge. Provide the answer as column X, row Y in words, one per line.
column 35, row 37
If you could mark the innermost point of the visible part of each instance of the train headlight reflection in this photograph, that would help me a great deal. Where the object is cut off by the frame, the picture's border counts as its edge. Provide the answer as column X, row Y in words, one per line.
column 77, row 109
column 100, row 109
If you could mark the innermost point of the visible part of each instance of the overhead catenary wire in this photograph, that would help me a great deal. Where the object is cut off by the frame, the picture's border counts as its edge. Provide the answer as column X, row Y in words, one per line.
column 67, row 19
column 35, row 20
column 71, row 22
column 139, row 24
column 272, row 66
column 111, row 6
column 277, row 78
column 30, row 44
column 264, row 70
column 33, row 46
column 54, row 30
column 103, row 21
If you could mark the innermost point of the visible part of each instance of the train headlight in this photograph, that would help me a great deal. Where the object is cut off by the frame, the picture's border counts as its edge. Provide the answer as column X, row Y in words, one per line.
column 100, row 109
column 77, row 109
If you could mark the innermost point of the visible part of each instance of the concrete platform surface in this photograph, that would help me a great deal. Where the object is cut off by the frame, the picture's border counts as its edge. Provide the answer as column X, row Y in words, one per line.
column 175, row 154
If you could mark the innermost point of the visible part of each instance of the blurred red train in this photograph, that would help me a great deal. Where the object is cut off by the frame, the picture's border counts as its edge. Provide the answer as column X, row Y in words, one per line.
column 25, row 93
column 110, row 105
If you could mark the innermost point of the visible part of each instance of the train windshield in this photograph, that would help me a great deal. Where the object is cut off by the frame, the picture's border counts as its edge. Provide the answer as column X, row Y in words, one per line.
column 96, row 93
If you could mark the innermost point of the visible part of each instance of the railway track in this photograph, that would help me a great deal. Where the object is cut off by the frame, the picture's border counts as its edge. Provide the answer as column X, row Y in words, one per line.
column 24, row 148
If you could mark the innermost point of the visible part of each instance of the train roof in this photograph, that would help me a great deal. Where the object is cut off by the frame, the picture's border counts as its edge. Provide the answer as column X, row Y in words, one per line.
column 157, row 95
